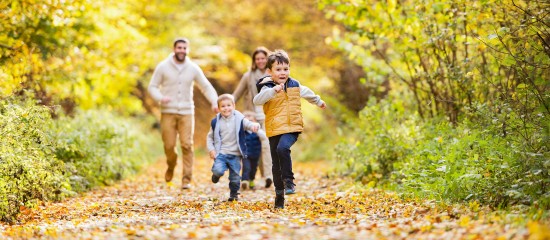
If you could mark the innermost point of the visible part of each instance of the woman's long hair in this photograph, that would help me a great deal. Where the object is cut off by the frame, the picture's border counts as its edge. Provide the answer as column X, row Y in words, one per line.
column 263, row 50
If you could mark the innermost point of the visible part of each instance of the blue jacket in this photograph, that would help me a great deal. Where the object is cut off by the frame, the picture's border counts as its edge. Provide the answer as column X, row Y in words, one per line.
column 253, row 144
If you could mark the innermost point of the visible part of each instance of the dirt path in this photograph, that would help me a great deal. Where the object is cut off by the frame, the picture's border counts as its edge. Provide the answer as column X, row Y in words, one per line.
column 146, row 207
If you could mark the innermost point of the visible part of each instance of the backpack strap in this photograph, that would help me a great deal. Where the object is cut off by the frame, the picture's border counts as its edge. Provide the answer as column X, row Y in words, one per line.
column 213, row 123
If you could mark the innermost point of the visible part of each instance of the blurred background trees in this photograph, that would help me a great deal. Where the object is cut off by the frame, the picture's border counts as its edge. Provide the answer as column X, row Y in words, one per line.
column 81, row 54
column 442, row 99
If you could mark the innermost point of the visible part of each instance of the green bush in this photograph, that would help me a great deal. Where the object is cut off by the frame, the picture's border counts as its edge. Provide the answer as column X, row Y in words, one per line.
column 475, row 160
column 44, row 159
column 28, row 170
column 99, row 148
column 381, row 136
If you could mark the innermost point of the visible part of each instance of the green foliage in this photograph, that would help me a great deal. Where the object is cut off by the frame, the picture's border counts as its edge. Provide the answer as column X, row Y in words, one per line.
column 378, row 138
column 434, row 159
column 451, row 55
column 44, row 159
column 97, row 151
column 484, row 65
column 28, row 172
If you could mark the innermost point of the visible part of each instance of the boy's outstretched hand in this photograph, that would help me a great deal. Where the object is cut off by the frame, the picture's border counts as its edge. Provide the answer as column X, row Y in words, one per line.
column 255, row 127
column 279, row 87
column 323, row 105
column 212, row 154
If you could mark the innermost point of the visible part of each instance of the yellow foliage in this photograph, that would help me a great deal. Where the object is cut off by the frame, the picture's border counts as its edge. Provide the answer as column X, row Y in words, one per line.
column 538, row 231
column 464, row 221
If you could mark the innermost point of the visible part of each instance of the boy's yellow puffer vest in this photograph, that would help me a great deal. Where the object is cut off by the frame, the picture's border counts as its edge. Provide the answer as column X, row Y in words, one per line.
column 283, row 113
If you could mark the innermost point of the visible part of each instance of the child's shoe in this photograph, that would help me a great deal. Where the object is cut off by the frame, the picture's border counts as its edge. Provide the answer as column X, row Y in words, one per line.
column 215, row 179
column 279, row 199
column 244, row 185
column 268, row 182
column 233, row 197
column 252, row 185
column 289, row 187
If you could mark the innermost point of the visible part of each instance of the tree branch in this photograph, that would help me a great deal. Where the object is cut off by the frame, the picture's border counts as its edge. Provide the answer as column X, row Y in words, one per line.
column 6, row 46
column 530, row 14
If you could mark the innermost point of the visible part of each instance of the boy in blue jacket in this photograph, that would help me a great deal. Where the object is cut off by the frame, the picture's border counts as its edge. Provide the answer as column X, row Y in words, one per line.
column 254, row 151
column 226, row 143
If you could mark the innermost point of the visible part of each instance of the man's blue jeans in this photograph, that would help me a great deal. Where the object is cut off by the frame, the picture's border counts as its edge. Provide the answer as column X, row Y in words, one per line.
column 280, row 154
column 224, row 162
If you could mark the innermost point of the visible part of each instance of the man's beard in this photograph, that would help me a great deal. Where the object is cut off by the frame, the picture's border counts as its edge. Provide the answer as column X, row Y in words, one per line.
column 178, row 57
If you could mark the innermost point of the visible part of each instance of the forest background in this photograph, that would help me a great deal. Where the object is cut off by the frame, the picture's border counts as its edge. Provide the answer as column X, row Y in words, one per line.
column 444, row 100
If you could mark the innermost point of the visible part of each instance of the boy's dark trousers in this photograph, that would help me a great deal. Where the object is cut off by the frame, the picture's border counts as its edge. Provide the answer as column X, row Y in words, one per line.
column 250, row 167
column 280, row 154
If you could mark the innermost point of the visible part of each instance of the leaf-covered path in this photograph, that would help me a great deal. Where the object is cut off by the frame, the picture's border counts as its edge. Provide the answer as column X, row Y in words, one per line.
column 146, row 207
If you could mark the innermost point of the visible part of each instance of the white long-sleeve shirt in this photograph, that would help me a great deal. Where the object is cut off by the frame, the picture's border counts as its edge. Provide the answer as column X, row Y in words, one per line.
column 267, row 93
column 176, row 82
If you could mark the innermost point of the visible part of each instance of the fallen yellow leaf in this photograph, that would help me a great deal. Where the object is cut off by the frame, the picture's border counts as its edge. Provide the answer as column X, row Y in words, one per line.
column 464, row 221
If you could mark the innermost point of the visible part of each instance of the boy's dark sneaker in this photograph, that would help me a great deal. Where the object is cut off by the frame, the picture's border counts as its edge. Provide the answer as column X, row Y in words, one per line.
column 289, row 187
column 233, row 197
column 215, row 179
column 279, row 199
column 268, row 182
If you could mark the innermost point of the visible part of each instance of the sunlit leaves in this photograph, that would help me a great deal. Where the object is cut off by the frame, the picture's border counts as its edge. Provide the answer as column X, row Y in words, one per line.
column 323, row 208
column 425, row 44
column 89, row 52
column 42, row 159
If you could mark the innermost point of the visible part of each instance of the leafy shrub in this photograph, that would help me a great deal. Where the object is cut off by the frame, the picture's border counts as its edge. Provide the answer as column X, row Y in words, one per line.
column 475, row 160
column 99, row 148
column 46, row 159
column 28, row 172
column 381, row 138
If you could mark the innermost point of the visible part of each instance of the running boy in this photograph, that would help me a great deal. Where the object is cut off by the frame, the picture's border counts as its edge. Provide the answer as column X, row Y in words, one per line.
column 226, row 143
column 280, row 96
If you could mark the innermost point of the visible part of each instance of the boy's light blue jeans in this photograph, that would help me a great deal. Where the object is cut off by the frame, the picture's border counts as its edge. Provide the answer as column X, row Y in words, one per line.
column 224, row 162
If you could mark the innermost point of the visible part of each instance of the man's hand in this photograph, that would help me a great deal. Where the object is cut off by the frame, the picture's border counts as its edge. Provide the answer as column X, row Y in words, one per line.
column 165, row 100
column 323, row 105
column 212, row 154
column 215, row 109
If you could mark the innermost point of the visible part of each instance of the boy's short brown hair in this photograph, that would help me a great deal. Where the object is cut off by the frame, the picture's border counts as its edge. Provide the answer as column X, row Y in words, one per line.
column 226, row 96
column 279, row 56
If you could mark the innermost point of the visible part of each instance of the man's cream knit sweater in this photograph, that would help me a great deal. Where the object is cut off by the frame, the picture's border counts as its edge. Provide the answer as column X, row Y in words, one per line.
column 177, row 84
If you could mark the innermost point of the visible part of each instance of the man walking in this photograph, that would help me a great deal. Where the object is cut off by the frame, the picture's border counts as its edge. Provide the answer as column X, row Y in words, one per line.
column 172, row 85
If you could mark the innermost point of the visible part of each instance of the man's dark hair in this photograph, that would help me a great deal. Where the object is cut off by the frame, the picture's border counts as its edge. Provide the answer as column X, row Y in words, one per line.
column 279, row 56
column 182, row 40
